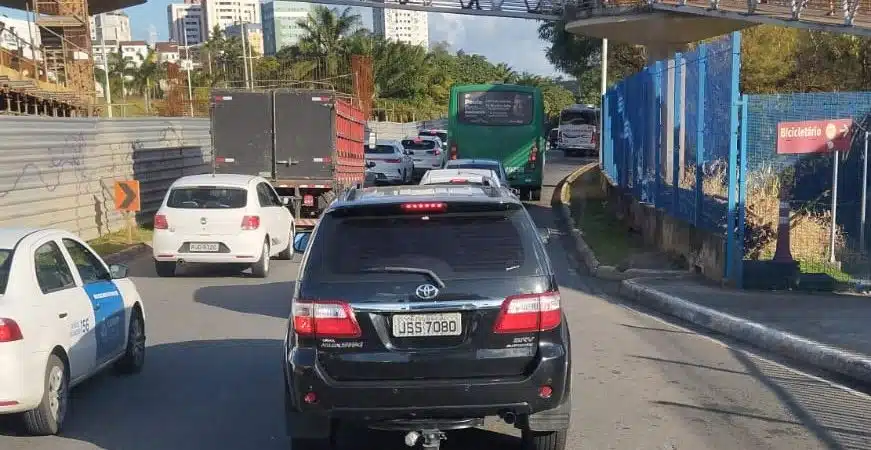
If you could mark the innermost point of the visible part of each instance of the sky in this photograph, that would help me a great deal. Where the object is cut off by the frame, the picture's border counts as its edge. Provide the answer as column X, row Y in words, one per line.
column 512, row 41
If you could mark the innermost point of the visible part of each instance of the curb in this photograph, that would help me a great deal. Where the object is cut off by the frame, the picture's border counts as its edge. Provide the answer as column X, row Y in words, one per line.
column 852, row 365
column 127, row 254
column 596, row 268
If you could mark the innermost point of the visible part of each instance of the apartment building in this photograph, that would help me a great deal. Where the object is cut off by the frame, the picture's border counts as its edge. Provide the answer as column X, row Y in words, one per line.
column 280, row 28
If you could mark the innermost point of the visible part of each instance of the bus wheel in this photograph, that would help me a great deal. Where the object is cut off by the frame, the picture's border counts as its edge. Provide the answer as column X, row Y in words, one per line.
column 535, row 195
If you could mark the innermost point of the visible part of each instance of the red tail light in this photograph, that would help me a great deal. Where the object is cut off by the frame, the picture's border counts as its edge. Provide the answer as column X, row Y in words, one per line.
column 250, row 222
column 393, row 161
column 458, row 180
column 160, row 222
column 10, row 331
column 529, row 313
column 325, row 318
column 533, row 154
column 594, row 139
column 425, row 206
column 454, row 151
column 437, row 152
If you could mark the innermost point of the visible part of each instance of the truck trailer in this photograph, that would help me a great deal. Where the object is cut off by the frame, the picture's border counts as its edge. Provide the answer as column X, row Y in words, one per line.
column 307, row 143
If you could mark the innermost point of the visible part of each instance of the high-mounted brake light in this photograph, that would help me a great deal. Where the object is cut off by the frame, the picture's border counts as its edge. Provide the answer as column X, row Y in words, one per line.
column 250, row 222
column 425, row 206
column 325, row 318
column 459, row 180
column 10, row 331
column 529, row 313
column 160, row 222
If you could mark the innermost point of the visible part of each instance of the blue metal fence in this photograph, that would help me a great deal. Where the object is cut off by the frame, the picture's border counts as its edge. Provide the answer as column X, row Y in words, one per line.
column 671, row 138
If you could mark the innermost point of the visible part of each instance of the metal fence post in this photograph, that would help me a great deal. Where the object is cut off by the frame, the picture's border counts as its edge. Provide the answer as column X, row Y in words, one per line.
column 732, row 257
column 676, row 113
column 657, row 131
column 700, row 135
column 742, row 186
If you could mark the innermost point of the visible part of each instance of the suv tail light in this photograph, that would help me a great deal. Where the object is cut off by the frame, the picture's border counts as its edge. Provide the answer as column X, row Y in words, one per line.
column 594, row 138
column 160, row 222
column 10, row 331
column 529, row 313
column 250, row 222
column 325, row 318
column 454, row 151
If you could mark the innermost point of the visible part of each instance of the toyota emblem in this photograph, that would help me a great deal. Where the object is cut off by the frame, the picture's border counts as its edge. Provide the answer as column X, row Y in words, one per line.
column 427, row 291
column 202, row 220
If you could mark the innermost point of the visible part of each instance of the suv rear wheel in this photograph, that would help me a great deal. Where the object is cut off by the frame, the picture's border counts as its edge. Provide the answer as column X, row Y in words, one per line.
column 544, row 440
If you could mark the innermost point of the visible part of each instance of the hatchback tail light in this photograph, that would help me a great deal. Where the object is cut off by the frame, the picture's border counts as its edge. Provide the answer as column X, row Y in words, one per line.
column 325, row 318
column 250, row 222
column 437, row 152
column 160, row 222
column 10, row 331
column 393, row 161
column 529, row 313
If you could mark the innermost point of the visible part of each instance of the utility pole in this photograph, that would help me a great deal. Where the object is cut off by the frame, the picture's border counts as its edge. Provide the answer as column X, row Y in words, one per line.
column 107, row 91
column 188, row 67
column 603, row 90
column 245, row 55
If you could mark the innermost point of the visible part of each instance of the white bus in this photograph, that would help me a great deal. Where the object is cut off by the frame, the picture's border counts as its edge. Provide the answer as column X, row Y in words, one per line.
column 579, row 130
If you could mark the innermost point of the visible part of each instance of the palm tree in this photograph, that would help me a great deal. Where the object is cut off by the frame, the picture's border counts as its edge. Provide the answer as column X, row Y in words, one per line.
column 505, row 74
column 326, row 32
column 148, row 71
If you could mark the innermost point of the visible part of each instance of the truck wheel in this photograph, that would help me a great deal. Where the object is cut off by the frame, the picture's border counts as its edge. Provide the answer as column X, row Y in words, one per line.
column 287, row 253
column 544, row 440
column 535, row 194
column 164, row 269
column 260, row 269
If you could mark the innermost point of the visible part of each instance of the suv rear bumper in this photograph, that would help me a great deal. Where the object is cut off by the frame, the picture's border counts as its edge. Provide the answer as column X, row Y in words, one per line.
column 378, row 401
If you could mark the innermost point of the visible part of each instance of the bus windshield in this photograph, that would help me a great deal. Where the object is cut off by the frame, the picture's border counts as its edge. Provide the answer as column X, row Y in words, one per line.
column 587, row 117
column 491, row 108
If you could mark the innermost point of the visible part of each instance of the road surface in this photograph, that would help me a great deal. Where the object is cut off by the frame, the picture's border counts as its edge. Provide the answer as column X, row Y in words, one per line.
column 213, row 377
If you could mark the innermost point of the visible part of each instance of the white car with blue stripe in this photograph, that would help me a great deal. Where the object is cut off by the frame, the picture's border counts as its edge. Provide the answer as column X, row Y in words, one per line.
column 64, row 316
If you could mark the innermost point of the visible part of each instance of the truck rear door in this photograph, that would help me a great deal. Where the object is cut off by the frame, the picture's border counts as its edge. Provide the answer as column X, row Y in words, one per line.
column 305, row 135
column 242, row 132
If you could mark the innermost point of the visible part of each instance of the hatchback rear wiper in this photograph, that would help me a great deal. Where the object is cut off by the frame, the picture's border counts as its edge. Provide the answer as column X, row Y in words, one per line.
column 426, row 272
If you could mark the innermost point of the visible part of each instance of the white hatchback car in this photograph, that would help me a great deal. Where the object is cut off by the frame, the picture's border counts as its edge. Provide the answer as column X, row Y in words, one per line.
column 389, row 162
column 222, row 219
column 64, row 316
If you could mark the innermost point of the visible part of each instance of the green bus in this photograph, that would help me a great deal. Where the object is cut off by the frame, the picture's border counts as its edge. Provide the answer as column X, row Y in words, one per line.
column 504, row 122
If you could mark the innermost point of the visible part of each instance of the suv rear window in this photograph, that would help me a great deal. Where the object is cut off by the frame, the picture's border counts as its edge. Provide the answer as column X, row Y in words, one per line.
column 380, row 150
column 454, row 246
column 579, row 118
column 418, row 145
column 442, row 136
column 207, row 197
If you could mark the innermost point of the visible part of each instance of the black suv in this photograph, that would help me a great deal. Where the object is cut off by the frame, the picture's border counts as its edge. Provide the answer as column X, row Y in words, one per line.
column 422, row 309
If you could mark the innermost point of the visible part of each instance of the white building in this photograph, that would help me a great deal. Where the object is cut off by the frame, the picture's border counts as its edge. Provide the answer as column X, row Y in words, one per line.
column 187, row 22
column 411, row 27
column 17, row 35
column 167, row 52
column 111, row 26
column 226, row 13
column 100, row 51
column 134, row 51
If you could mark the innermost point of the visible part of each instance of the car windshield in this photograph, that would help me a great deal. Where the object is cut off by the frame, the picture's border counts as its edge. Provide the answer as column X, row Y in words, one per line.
column 422, row 144
column 454, row 246
column 442, row 136
column 207, row 197
column 5, row 262
column 380, row 150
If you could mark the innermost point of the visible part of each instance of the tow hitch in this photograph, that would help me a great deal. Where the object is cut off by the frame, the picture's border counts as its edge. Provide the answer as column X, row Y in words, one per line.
column 428, row 439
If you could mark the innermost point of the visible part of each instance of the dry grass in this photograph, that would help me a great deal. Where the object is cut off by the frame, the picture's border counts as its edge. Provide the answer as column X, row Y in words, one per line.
column 114, row 242
column 810, row 228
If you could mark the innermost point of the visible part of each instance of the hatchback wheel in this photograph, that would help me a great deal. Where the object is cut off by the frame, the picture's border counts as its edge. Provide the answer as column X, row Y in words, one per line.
column 48, row 417
column 164, row 268
column 260, row 269
column 287, row 253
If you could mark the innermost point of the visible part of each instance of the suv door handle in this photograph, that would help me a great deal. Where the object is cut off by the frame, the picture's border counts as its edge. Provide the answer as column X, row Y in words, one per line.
column 62, row 315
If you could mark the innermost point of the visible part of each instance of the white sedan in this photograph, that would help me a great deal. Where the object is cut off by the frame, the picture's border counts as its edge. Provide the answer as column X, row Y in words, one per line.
column 222, row 219
column 64, row 316
column 389, row 162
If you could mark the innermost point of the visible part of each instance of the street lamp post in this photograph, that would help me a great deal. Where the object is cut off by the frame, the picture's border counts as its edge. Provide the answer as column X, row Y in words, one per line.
column 107, row 91
column 245, row 55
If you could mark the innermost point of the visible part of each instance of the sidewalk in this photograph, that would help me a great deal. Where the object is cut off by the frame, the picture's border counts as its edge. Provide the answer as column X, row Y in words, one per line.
column 825, row 330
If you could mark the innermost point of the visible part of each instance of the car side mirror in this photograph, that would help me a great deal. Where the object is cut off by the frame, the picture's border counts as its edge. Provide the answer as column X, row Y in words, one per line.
column 118, row 271
column 370, row 164
column 300, row 241
column 544, row 234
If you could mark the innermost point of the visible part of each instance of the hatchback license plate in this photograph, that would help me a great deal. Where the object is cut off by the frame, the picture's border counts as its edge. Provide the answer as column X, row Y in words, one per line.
column 204, row 247
column 422, row 325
